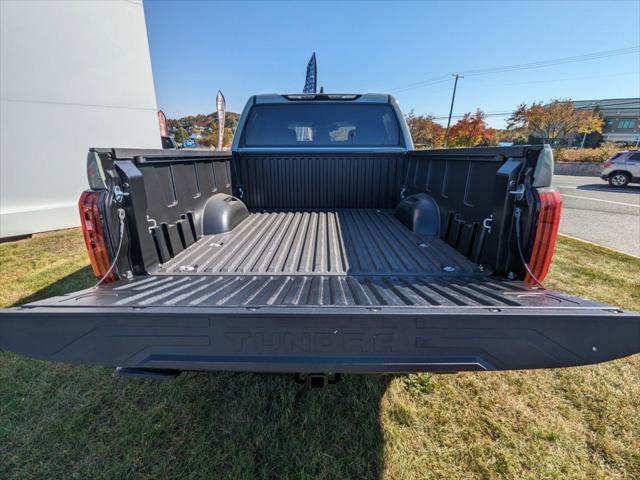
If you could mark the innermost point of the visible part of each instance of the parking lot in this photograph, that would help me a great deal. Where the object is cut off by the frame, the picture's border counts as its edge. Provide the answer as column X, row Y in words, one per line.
column 594, row 211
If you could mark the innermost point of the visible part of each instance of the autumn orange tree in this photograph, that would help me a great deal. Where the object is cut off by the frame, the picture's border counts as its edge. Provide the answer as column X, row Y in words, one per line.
column 555, row 120
column 425, row 131
column 471, row 130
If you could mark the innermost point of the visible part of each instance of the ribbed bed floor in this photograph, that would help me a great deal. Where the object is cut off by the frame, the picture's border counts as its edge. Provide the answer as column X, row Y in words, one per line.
column 315, row 290
column 338, row 242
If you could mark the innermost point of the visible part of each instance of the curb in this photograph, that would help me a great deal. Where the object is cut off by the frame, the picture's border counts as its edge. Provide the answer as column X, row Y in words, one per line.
column 587, row 169
column 599, row 246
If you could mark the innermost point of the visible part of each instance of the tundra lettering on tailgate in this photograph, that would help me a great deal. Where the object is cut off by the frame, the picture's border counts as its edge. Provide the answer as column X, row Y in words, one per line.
column 290, row 341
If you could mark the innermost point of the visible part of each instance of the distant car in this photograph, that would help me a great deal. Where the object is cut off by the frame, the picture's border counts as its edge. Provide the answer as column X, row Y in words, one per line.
column 622, row 169
column 168, row 143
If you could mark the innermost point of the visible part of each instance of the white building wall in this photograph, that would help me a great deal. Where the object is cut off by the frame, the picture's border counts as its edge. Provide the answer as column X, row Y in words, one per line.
column 73, row 75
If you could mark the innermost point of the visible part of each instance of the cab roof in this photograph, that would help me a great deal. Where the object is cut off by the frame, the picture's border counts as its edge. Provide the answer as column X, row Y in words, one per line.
column 319, row 97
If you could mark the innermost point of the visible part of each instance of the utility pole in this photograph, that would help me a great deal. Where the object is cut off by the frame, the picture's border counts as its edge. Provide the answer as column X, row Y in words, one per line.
column 584, row 137
column 453, row 98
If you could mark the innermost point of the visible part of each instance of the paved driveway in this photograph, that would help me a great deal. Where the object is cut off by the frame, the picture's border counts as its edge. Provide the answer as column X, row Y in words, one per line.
column 594, row 211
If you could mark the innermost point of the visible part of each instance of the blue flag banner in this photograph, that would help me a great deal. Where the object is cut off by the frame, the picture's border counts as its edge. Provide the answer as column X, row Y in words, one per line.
column 311, row 81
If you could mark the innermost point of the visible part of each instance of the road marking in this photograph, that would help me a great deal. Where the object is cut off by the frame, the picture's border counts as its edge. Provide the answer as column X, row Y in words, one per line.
column 598, row 200
column 602, row 188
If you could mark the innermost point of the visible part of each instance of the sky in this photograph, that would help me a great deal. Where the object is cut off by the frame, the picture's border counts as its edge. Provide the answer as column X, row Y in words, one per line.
column 408, row 49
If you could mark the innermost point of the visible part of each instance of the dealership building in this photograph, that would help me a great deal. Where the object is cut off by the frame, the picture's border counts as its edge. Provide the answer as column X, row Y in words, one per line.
column 621, row 120
column 73, row 75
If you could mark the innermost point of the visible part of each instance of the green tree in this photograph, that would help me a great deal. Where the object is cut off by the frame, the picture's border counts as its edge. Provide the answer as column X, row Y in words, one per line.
column 517, row 136
column 210, row 120
column 211, row 140
column 181, row 135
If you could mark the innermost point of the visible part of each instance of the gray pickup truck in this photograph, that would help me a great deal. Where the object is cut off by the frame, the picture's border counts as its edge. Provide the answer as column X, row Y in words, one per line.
column 323, row 243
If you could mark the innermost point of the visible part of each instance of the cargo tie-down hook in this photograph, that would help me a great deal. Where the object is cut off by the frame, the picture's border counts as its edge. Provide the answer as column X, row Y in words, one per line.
column 487, row 222
column 518, row 192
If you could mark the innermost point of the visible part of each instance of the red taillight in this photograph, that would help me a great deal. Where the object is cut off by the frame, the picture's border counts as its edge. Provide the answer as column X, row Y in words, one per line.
column 91, row 221
column 607, row 164
column 546, row 232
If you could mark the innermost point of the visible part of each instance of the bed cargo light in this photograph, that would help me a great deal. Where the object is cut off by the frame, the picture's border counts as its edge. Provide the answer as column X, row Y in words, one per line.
column 546, row 233
column 91, row 221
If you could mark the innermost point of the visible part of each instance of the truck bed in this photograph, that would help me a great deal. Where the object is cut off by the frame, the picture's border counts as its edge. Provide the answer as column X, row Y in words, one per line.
column 317, row 257
column 320, row 242
column 335, row 284
column 320, row 291
column 309, row 258
column 344, row 257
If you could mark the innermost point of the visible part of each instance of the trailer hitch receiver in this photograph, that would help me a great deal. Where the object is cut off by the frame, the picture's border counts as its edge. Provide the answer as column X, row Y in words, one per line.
column 317, row 380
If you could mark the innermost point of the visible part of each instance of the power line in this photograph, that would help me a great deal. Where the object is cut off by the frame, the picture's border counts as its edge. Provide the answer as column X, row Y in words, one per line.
column 423, row 83
column 534, row 82
column 494, row 114
column 624, row 104
column 555, row 61
column 524, row 66
column 632, row 104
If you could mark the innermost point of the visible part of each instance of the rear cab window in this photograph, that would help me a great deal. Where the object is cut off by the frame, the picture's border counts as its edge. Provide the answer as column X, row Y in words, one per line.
column 322, row 125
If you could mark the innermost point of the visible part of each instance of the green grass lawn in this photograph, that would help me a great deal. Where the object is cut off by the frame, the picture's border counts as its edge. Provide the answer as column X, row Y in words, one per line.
column 61, row 421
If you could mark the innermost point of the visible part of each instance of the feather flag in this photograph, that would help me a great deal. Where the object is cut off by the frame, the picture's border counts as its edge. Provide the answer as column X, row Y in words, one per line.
column 311, row 81
column 162, row 120
column 220, row 107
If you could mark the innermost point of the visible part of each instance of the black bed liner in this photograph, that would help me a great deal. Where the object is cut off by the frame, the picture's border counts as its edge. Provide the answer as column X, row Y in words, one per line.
column 320, row 242
column 418, row 292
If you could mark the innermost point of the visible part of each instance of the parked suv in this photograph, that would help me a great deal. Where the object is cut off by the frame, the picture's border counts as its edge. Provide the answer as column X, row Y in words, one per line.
column 621, row 169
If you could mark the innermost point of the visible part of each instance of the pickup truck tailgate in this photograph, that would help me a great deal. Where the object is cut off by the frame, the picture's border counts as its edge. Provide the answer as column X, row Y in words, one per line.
column 323, row 324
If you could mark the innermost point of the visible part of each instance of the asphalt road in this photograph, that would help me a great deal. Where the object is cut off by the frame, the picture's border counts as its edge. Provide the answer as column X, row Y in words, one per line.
column 594, row 211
